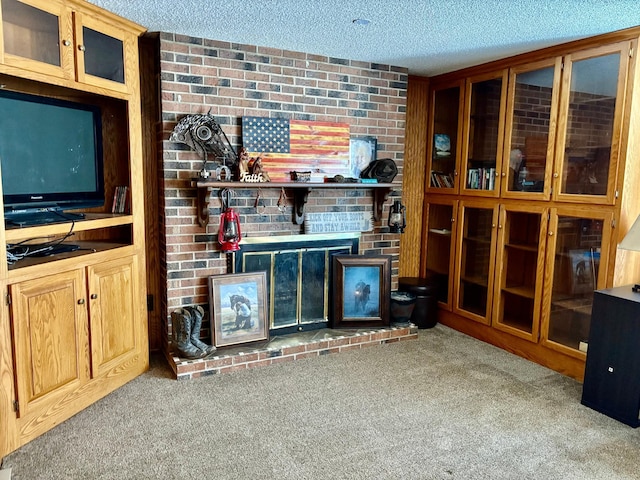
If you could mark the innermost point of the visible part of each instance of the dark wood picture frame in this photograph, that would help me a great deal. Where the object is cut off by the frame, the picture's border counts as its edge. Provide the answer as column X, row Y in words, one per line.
column 238, row 308
column 361, row 289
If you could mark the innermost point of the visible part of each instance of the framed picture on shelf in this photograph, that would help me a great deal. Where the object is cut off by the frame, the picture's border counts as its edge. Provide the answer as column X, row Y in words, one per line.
column 361, row 290
column 441, row 145
column 238, row 308
column 362, row 151
column 583, row 271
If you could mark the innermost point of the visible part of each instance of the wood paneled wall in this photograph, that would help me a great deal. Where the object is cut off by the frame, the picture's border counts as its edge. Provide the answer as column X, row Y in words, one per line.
column 413, row 181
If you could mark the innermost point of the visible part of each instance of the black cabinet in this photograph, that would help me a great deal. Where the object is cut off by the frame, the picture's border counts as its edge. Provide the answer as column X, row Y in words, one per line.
column 612, row 371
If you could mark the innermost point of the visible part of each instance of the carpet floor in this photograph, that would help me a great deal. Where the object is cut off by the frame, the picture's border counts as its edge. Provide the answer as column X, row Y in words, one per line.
column 444, row 406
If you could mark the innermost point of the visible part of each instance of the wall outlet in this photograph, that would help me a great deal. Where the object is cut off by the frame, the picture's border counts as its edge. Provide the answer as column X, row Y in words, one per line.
column 583, row 346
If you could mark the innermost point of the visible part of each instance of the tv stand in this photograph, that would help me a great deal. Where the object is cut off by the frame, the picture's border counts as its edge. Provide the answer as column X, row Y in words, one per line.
column 41, row 217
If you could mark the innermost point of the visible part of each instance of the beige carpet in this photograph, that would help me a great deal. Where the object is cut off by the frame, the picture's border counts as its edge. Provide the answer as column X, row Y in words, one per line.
column 444, row 406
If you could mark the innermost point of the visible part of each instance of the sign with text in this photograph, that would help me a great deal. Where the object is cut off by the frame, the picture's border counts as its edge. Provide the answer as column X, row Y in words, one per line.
column 334, row 222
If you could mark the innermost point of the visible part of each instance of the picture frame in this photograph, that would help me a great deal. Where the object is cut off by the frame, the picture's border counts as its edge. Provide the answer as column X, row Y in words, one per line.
column 362, row 151
column 582, row 271
column 361, row 289
column 238, row 308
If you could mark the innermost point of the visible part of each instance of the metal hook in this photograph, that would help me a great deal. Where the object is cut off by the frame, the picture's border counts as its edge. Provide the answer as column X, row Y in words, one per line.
column 225, row 197
column 282, row 200
column 259, row 205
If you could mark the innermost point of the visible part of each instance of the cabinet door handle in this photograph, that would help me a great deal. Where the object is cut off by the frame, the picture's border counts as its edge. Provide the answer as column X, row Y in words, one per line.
column 555, row 175
column 551, row 234
column 82, row 48
column 81, row 301
column 94, row 296
column 66, row 42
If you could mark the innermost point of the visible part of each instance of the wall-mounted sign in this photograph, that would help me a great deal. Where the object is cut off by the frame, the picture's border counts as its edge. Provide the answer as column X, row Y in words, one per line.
column 333, row 222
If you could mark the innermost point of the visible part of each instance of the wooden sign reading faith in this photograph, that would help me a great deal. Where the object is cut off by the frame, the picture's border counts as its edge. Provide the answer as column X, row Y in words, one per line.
column 334, row 222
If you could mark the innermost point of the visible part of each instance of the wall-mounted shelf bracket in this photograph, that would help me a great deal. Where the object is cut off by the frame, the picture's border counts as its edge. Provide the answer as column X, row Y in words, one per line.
column 301, row 193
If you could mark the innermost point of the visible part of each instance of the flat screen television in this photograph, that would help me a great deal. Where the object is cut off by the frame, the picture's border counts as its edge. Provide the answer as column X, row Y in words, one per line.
column 51, row 157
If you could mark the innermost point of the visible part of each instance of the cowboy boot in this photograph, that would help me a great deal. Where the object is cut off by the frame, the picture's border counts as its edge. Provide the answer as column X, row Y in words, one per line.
column 197, row 314
column 181, row 323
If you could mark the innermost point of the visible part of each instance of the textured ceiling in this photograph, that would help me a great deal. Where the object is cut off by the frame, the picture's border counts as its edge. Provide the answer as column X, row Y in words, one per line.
column 428, row 37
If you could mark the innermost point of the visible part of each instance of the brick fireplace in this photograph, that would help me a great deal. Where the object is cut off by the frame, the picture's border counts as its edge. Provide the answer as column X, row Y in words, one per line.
column 231, row 81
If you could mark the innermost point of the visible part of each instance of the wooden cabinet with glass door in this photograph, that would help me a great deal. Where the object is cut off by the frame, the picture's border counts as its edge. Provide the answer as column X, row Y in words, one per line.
column 484, row 110
column 66, row 39
column 444, row 137
column 589, row 124
column 577, row 240
column 439, row 244
column 519, row 271
column 475, row 259
column 530, row 123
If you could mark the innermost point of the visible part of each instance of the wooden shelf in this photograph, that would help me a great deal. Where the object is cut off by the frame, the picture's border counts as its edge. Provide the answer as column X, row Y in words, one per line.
column 91, row 221
column 301, row 192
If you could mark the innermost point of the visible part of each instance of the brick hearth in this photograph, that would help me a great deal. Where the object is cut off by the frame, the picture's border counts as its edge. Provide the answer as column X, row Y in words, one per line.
column 287, row 348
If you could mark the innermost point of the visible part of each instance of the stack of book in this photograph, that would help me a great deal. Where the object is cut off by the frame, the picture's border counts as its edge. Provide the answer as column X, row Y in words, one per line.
column 121, row 200
column 481, row 178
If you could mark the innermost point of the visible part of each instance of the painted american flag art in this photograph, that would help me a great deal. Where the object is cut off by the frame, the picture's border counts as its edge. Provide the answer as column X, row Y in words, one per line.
column 287, row 145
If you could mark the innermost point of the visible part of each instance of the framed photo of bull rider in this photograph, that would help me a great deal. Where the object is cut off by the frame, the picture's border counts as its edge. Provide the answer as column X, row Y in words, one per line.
column 361, row 288
column 238, row 308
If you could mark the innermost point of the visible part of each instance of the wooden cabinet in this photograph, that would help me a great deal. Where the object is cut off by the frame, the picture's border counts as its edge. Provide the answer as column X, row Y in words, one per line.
column 444, row 144
column 68, row 40
column 440, row 236
column 116, row 336
column 76, row 326
column 522, row 233
column 475, row 259
column 590, row 123
column 484, row 111
column 578, row 240
column 51, row 341
column 547, row 186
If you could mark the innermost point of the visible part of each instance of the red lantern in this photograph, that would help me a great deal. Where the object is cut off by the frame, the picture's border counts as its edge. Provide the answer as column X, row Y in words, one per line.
column 229, row 234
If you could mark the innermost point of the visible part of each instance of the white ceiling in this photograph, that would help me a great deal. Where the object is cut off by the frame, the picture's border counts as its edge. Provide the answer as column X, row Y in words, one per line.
column 428, row 37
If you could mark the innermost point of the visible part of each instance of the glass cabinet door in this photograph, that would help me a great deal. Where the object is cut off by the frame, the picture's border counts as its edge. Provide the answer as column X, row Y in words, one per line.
column 590, row 123
column 521, row 242
column 577, row 241
column 475, row 260
column 532, row 106
column 484, row 108
column 444, row 136
column 101, row 53
column 37, row 36
column 439, row 253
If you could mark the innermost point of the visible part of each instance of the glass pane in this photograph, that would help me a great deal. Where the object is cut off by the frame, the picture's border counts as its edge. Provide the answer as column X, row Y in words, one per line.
column 103, row 56
column 530, row 130
column 474, row 268
column 285, row 289
column 314, row 266
column 30, row 33
column 484, row 125
column 520, row 256
column 439, row 247
column 445, row 128
column 577, row 261
column 592, row 105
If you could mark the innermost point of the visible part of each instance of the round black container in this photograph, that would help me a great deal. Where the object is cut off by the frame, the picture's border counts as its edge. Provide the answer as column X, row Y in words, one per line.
column 425, row 311
column 402, row 306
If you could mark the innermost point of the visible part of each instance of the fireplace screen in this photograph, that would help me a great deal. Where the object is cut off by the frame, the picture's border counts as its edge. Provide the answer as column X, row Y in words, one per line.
column 298, row 276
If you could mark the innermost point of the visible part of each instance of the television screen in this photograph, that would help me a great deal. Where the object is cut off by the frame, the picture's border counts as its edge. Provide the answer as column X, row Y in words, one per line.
column 50, row 153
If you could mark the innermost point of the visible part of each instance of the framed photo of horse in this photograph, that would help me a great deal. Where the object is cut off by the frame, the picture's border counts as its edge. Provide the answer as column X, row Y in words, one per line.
column 361, row 289
column 238, row 308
